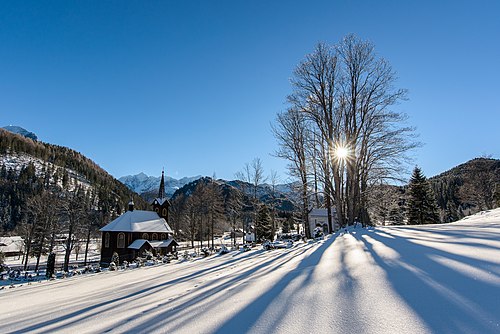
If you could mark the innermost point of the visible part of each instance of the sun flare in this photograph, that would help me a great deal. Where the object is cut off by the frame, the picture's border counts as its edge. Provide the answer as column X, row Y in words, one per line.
column 342, row 152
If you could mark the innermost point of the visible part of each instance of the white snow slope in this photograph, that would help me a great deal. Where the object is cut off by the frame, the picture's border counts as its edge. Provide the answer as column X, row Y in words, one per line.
column 426, row 279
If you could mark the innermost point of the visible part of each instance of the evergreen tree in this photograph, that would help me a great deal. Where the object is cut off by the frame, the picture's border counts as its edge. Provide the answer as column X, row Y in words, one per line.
column 496, row 196
column 422, row 207
column 51, row 263
column 264, row 226
column 285, row 228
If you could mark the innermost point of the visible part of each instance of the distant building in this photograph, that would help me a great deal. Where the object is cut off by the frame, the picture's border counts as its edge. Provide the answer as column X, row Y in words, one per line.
column 319, row 218
column 138, row 231
column 11, row 246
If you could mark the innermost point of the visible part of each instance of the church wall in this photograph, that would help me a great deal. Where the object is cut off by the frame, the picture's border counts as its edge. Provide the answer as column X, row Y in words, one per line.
column 126, row 253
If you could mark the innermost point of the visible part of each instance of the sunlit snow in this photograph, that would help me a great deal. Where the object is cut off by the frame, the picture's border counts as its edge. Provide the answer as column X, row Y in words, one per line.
column 425, row 279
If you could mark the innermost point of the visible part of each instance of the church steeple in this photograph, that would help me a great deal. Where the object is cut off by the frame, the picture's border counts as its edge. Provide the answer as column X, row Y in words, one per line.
column 161, row 204
column 161, row 192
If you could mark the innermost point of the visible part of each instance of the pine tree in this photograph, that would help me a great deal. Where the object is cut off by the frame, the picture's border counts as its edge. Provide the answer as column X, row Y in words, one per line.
column 422, row 207
column 264, row 224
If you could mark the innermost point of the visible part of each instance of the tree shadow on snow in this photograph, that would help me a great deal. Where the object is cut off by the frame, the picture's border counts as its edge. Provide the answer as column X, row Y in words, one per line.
column 446, row 299
column 64, row 321
column 217, row 291
column 249, row 316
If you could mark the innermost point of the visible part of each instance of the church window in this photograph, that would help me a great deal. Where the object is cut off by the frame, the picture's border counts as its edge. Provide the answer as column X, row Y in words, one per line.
column 157, row 210
column 154, row 237
column 163, row 236
column 145, row 236
column 120, row 242
column 106, row 240
column 164, row 212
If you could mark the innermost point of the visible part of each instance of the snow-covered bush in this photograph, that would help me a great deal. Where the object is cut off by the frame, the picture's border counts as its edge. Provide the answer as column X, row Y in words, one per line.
column 115, row 259
column 223, row 250
column 148, row 255
column 112, row 266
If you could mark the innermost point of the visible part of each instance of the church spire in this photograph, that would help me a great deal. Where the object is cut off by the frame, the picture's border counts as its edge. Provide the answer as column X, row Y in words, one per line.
column 161, row 193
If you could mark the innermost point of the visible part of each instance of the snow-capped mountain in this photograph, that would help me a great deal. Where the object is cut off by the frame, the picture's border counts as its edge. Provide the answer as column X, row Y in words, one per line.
column 142, row 183
column 20, row 131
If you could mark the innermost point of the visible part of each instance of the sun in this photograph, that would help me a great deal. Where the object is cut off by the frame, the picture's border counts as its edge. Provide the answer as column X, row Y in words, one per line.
column 341, row 152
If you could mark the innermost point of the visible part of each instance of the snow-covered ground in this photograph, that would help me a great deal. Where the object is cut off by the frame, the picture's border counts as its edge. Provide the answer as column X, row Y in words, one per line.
column 92, row 256
column 426, row 279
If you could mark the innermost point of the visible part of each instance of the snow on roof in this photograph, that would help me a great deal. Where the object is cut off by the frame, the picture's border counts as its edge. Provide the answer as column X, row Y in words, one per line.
column 322, row 212
column 11, row 244
column 138, row 221
column 137, row 244
column 163, row 243
column 160, row 200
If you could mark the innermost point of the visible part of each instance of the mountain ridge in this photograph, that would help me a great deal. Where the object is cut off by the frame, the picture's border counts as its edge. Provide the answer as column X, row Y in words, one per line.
column 21, row 131
column 142, row 183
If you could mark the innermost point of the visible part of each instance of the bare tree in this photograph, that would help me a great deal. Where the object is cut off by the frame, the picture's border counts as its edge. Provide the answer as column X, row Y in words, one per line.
column 274, row 179
column 292, row 133
column 72, row 211
column 92, row 221
column 346, row 91
column 192, row 225
column 42, row 209
column 178, row 214
column 215, row 206
column 234, row 205
column 253, row 174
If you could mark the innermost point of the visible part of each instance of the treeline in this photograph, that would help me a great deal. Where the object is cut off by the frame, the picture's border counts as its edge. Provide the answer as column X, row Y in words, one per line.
column 205, row 208
column 464, row 190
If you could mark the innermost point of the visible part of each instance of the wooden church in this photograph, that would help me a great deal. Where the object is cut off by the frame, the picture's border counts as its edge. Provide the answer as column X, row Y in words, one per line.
column 138, row 231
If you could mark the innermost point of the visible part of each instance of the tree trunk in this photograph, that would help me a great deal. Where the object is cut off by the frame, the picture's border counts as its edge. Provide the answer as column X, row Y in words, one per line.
column 69, row 245
column 28, row 250
column 87, row 247
column 37, row 261
column 305, row 211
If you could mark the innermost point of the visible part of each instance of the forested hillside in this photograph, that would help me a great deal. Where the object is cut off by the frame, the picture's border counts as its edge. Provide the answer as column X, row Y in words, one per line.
column 29, row 168
column 468, row 188
column 461, row 191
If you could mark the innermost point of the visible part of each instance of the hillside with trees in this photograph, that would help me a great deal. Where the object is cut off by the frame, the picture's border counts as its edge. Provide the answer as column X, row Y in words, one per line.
column 464, row 190
column 49, row 192
column 468, row 188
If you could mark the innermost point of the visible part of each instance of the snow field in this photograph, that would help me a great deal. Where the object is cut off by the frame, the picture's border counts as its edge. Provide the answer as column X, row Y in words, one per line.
column 425, row 279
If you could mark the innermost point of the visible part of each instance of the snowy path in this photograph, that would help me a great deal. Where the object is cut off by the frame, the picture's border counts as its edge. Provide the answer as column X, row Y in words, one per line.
column 428, row 279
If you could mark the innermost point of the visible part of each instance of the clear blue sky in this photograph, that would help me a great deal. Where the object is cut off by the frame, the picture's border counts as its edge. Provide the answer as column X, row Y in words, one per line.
column 193, row 86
